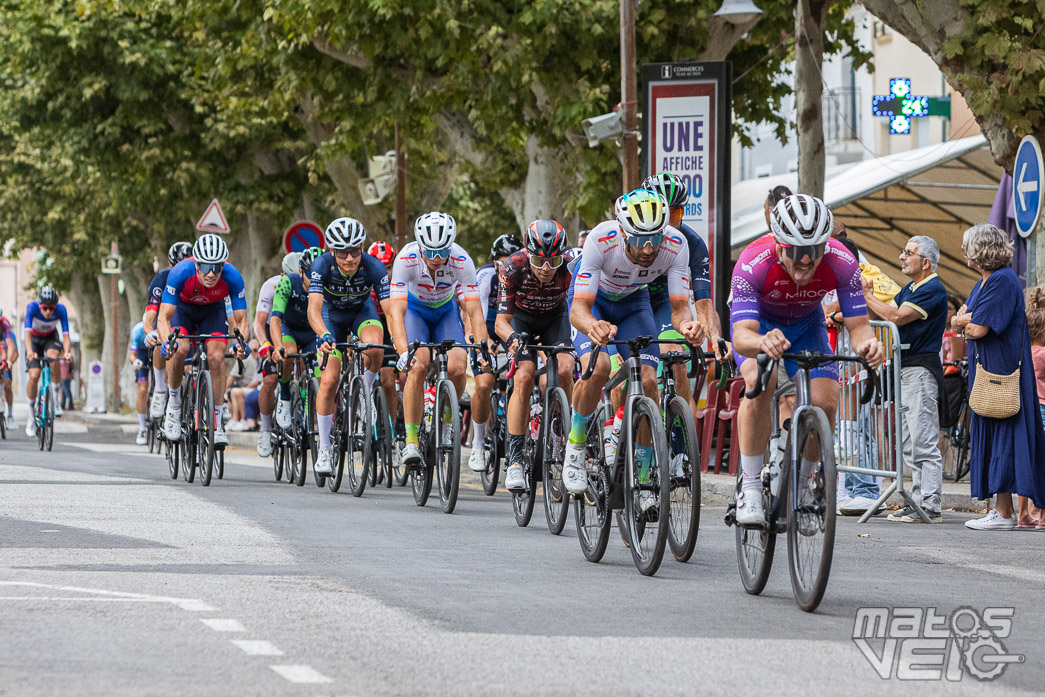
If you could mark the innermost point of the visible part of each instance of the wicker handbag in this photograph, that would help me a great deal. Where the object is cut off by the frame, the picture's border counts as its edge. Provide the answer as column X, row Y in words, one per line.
column 996, row 396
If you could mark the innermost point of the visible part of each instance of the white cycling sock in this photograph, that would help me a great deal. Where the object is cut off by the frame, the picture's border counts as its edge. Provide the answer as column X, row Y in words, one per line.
column 219, row 423
column 266, row 423
column 174, row 394
column 478, row 432
column 370, row 376
column 325, row 423
column 142, row 424
column 751, row 465
column 160, row 376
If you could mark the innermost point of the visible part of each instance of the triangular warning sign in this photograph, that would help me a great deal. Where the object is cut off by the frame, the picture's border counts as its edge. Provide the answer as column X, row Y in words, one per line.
column 213, row 220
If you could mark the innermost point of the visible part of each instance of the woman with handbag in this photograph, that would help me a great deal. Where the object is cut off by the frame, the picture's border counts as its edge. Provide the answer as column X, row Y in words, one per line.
column 1008, row 442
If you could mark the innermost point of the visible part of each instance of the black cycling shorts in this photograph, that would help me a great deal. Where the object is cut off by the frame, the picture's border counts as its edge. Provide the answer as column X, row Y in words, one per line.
column 551, row 329
column 41, row 345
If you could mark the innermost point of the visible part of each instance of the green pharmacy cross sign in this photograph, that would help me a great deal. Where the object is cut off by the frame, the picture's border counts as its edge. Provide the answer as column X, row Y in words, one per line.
column 901, row 107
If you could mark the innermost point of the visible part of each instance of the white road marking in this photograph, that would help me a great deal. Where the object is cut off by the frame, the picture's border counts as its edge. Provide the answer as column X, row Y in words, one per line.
column 191, row 603
column 257, row 648
column 222, row 625
column 113, row 448
column 50, row 598
column 301, row 674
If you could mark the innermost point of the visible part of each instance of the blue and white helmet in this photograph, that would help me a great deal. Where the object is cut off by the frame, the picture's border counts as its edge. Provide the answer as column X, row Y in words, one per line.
column 344, row 233
column 435, row 230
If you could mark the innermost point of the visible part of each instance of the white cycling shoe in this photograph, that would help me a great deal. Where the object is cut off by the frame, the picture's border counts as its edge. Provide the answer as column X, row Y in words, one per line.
column 476, row 461
column 30, row 427
column 57, row 410
column 325, row 462
column 574, row 474
column 172, row 423
column 219, row 437
column 749, row 508
column 265, row 444
column 142, row 438
column 283, row 413
column 411, row 455
column 157, row 404
column 515, row 479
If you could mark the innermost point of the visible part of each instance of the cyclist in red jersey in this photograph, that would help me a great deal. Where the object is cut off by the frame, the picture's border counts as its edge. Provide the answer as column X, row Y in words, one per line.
column 386, row 254
column 777, row 288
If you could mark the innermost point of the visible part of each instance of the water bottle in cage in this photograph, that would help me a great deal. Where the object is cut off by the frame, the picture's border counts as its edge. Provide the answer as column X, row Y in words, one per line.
column 613, row 438
column 535, row 419
column 429, row 403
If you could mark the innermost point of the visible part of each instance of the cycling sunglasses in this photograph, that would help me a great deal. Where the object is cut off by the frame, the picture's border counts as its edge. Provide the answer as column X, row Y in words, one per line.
column 436, row 253
column 48, row 308
column 206, row 268
column 546, row 262
column 642, row 240
column 796, row 252
column 350, row 252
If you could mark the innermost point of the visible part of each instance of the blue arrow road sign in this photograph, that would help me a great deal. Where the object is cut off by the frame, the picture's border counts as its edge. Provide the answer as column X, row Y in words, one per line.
column 1027, row 176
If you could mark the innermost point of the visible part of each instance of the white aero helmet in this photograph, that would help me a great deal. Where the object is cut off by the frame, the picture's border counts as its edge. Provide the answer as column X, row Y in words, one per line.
column 210, row 249
column 290, row 263
column 435, row 230
column 801, row 220
column 344, row 233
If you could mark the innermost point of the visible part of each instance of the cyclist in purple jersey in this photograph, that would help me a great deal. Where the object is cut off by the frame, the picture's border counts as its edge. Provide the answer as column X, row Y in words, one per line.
column 777, row 287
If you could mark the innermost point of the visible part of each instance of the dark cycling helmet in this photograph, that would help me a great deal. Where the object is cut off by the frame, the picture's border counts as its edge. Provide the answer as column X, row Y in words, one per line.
column 382, row 251
column 307, row 257
column 546, row 238
column 504, row 246
column 670, row 186
column 48, row 296
column 179, row 251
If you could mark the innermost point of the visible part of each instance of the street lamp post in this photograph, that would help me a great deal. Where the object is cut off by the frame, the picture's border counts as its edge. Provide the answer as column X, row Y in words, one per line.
column 726, row 27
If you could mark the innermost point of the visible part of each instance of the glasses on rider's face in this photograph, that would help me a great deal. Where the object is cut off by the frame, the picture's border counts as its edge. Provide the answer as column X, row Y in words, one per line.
column 641, row 241
column 47, row 308
column 436, row 253
column 208, row 268
column 796, row 252
column 346, row 253
column 546, row 262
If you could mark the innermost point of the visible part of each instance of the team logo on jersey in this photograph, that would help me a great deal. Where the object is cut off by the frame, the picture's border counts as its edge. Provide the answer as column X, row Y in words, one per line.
column 673, row 241
column 412, row 256
column 584, row 276
column 608, row 237
column 459, row 260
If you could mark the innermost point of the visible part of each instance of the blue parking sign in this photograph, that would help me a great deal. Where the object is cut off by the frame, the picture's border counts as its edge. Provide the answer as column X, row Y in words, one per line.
column 1027, row 176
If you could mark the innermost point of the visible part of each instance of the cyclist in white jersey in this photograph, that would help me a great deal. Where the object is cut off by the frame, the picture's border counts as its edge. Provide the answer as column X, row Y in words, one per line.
column 424, row 283
column 609, row 300
column 267, row 391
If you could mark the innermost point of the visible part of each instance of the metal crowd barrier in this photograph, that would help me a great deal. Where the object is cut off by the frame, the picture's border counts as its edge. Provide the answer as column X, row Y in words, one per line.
column 870, row 437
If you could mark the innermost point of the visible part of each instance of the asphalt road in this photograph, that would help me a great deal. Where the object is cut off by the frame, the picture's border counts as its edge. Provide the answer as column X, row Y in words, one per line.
column 115, row 580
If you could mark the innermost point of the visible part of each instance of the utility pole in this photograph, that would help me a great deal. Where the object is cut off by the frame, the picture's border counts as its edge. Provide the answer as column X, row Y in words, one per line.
column 115, row 301
column 629, row 90
column 400, row 192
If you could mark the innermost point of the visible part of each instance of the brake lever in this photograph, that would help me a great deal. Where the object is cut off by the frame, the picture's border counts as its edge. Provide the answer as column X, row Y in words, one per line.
column 762, row 379
column 591, row 363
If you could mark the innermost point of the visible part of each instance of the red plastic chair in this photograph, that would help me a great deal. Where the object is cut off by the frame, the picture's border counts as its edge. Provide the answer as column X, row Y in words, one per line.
column 705, row 420
column 729, row 415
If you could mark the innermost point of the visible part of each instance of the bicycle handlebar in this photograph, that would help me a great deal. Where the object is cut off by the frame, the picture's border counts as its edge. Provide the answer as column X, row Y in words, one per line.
column 811, row 359
column 354, row 346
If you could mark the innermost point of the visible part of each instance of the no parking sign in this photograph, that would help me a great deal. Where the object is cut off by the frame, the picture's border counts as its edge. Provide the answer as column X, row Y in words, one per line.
column 302, row 235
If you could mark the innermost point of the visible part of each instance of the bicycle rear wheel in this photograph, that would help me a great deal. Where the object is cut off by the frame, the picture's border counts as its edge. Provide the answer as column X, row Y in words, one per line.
column 556, row 430
column 402, row 475
column 755, row 547
column 188, row 434
column 172, row 451
column 684, row 470
column 312, row 430
column 205, row 427
column 811, row 510
column 447, row 445
column 493, row 444
column 279, row 458
column 383, row 445
column 41, row 413
column 356, row 437
column 647, row 487
column 421, row 476
column 49, row 421
column 299, row 439
column 591, row 510
column 524, row 501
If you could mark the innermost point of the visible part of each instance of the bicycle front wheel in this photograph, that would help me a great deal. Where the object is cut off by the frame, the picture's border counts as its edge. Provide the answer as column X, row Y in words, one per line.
column 647, row 483
column 205, row 427
column 279, row 456
column 683, row 462
column 556, row 429
column 493, row 443
column 188, row 434
column 591, row 510
column 49, row 421
column 811, row 509
column 755, row 547
column 383, row 445
column 447, row 450
column 356, row 436
column 399, row 470
column 299, row 438
column 172, row 449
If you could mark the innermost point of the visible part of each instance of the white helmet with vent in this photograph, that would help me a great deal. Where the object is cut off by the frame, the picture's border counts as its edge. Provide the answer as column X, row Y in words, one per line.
column 801, row 220
column 435, row 230
column 210, row 249
column 344, row 233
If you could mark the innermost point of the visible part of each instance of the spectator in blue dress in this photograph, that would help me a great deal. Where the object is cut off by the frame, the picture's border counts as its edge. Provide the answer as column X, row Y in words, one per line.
column 1007, row 455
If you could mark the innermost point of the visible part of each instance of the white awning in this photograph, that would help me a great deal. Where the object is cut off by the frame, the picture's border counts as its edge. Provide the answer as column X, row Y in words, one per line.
column 938, row 190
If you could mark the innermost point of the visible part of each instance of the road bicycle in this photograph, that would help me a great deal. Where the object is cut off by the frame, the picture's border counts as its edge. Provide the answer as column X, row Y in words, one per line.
column 45, row 397
column 495, row 439
column 798, row 486
column 625, row 479
column 197, row 446
column 957, row 438
column 291, row 445
column 439, row 436
column 544, row 447
column 152, row 426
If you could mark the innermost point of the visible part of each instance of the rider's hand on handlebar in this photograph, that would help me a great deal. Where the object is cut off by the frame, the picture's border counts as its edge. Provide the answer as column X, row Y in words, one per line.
column 719, row 355
column 265, row 349
column 152, row 338
column 31, row 355
column 602, row 332
column 326, row 343
column 872, row 351
column 773, row 344
column 401, row 363
column 693, row 331
column 241, row 350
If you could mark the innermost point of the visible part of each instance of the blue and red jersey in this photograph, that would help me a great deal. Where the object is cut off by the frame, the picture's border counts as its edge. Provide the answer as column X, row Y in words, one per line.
column 39, row 325
column 184, row 287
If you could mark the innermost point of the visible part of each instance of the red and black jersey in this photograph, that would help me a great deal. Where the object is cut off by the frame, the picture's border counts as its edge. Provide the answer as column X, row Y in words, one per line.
column 520, row 289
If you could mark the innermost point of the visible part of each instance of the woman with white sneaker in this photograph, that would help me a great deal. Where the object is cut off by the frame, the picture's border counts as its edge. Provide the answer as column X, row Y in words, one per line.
column 1007, row 455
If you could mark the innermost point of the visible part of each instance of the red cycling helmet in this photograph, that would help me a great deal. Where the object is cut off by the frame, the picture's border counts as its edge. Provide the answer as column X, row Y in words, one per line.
column 384, row 252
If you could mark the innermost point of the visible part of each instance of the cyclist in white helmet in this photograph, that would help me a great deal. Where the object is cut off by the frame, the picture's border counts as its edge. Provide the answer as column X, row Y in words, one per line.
column 425, row 279
column 194, row 300
column 778, row 284
column 267, row 391
column 339, row 304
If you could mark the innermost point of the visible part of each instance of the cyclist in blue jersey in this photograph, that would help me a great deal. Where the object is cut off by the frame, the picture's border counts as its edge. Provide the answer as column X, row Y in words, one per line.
column 194, row 301
column 487, row 278
column 289, row 327
column 178, row 252
column 339, row 305
column 43, row 317
column 138, row 357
